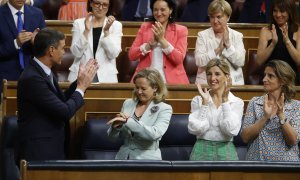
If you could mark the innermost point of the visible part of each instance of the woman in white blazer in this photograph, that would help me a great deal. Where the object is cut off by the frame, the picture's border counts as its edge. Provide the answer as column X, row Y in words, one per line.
column 144, row 119
column 220, row 42
column 97, row 36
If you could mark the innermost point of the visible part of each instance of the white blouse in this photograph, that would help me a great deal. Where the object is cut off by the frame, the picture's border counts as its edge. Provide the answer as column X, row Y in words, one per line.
column 216, row 124
column 157, row 60
column 234, row 55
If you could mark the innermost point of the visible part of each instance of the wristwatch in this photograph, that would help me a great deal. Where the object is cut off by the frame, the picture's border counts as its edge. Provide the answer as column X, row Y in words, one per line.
column 282, row 122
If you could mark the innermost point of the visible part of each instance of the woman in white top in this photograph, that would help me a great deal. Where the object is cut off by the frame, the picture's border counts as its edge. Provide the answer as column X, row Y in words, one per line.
column 221, row 42
column 216, row 116
column 97, row 36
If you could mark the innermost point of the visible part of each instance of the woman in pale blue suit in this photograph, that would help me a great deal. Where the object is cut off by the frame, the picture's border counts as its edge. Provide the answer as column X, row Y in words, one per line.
column 143, row 119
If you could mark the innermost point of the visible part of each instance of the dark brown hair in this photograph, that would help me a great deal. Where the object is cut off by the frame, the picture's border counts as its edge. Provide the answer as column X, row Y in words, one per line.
column 290, row 7
column 286, row 76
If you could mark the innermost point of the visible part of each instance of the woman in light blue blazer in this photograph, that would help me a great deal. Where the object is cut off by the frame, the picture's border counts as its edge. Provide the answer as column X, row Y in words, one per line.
column 143, row 119
column 97, row 36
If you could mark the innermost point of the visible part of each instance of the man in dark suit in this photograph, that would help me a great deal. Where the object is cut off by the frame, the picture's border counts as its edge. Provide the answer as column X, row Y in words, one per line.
column 195, row 11
column 36, row 3
column 133, row 10
column 43, row 109
column 255, row 11
column 11, row 41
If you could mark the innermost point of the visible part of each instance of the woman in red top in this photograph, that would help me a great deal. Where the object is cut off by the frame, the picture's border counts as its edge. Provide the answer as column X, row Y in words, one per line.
column 162, row 44
column 72, row 9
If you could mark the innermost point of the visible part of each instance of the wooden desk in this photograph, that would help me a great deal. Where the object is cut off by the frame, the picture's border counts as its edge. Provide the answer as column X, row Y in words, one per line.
column 158, row 170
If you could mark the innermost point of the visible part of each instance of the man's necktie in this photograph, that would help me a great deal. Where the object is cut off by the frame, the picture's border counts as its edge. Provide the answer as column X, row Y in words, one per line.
column 51, row 79
column 262, row 7
column 20, row 28
column 143, row 8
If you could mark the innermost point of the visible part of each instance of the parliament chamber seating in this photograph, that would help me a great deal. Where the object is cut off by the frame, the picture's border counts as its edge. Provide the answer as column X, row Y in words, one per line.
column 98, row 152
column 174, row 142
column 252, row 74
column 8, row 168
column 175, row 145
column 62, row 70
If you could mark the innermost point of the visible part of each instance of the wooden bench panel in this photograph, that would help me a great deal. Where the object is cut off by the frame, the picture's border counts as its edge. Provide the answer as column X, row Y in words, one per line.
column 108, row 98
column 161, row 170
column 122, row 91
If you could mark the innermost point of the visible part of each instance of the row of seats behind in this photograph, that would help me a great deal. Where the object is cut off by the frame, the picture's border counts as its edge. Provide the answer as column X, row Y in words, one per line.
column 175, row 145
column 126, row 67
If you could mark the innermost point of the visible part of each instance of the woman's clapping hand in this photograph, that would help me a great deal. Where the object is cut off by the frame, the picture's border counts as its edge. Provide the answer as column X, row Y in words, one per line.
column 119, row 120
column 204, row 94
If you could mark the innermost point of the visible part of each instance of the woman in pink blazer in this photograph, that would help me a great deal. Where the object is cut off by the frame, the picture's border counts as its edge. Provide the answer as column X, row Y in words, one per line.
column 162, row 44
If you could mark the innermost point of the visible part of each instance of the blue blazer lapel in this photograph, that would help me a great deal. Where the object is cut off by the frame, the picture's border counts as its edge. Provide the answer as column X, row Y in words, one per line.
column 28, row 18
column 10, row 20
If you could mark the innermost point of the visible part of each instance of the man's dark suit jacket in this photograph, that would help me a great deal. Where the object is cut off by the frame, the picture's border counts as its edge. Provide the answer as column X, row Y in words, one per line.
column 129, row 10
column 251, row 12
column 39, row 3
column 10, row 68
column 43, row 113
column 195, row 11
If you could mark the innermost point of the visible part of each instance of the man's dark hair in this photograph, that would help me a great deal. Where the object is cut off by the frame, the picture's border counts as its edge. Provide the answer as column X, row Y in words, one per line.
column 44, row 39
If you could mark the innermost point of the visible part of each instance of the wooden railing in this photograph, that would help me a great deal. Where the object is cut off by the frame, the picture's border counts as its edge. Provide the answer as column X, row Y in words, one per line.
column 162, row 170
column 103, row 100
column 107, row 99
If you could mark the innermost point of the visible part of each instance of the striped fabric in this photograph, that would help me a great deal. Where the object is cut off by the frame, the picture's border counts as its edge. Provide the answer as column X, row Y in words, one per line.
column 204, row 150
column 73, row 10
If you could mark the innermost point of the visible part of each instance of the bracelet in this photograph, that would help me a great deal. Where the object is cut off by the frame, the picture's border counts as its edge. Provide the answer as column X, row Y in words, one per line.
column 282, row 122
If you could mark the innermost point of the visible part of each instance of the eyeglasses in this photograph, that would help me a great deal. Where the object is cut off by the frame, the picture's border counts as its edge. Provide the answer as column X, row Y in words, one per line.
column 98, row 4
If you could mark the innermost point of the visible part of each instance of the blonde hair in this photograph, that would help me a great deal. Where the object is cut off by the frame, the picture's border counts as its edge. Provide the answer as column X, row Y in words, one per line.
column 155, row 80
column 219, row 6
column 220, row 64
